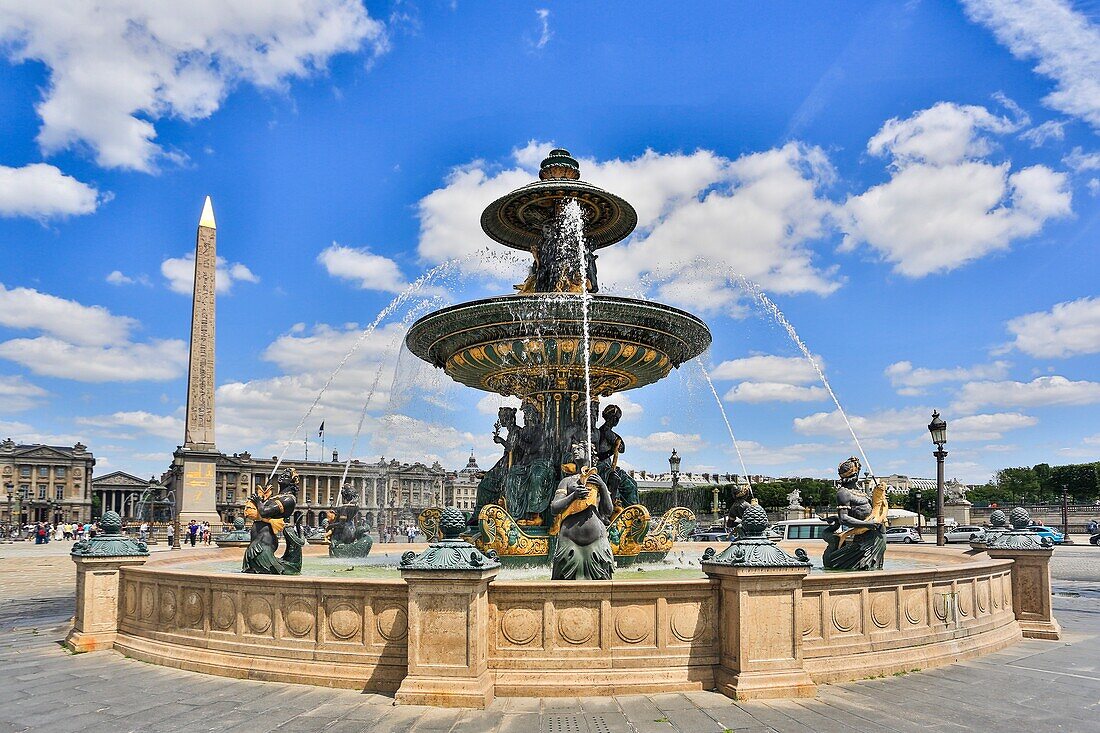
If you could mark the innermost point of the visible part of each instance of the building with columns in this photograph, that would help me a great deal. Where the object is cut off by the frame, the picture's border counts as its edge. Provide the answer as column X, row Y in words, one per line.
column 389, row 493
column 120, row 492
column 47, row 483
column 460, row 487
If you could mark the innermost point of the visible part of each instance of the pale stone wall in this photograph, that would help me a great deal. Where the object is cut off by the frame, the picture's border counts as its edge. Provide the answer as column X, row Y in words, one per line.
column 858, row 625
column 628, row 637
column 332, row 633
column 574, row 638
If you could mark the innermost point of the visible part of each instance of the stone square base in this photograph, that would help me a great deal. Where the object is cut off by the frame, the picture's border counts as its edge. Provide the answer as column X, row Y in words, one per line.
column 79, row 642
column 447, row 692
column 765, row 685
column 1049, row 630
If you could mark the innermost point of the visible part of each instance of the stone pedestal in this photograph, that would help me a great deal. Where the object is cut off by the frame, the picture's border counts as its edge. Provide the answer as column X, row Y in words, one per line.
column 959, row 512
column 448, row 643
column 448, row 639
column 96, row 623
column 761, row 632
column 794, row 512
column 197, row 494
column 98, row 561
column 1031, row 593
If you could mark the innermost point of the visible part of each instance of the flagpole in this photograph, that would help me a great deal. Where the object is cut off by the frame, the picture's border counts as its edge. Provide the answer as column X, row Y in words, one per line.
column 307, row 447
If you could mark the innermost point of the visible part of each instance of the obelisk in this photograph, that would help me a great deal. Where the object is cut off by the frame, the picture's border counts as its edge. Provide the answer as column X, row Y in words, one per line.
column 198, row 456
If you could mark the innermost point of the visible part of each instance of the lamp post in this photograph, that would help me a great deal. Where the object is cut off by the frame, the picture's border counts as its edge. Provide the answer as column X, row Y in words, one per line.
column 674, row 466
column 938, row 429
column 10, row 488
column 1065, row 512
column 175, row 519
column 919, row 514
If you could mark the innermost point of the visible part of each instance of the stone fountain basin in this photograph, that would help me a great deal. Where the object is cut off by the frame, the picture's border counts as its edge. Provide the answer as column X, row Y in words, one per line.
column 624, row 636
column 508, row 344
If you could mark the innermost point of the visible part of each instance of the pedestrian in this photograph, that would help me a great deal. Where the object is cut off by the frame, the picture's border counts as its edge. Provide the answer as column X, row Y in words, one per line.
column 411, row 532
column 1092, row 526
column 192, row 531
column 58, row 532
column 171, row 533
column 206, row 533
column 143, row 532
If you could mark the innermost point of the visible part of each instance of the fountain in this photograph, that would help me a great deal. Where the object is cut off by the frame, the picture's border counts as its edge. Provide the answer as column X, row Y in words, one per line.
column 449, row 626
column 560, row 347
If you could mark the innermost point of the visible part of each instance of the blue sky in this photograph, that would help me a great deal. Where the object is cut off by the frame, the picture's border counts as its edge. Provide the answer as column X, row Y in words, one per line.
column 917, row 185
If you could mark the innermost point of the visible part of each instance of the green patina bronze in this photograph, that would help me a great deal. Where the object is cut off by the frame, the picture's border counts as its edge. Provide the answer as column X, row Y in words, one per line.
column 1018, row 538
column 452, row 553
column 531, row 345
column 110, row 542
column 236, row 537
column 753, row 549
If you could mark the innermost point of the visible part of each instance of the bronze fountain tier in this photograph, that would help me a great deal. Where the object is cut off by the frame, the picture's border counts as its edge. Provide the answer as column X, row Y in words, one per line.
column 531, row 345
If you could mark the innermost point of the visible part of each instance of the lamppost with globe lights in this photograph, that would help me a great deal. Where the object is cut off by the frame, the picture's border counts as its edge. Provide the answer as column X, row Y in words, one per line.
column 938, row 429
column 674, row 466
column 919, row 515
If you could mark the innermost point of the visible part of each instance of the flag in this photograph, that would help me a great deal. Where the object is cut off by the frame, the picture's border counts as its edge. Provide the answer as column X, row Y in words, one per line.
column 321, row 430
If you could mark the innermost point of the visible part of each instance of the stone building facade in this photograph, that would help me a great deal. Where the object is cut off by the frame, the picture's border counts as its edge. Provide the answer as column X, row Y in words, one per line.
column 52, row 483
column 120, row 492
column 460, row 488
column 390, row 493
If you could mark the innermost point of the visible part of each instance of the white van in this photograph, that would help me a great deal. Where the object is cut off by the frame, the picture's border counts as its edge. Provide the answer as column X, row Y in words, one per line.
column 801, row 529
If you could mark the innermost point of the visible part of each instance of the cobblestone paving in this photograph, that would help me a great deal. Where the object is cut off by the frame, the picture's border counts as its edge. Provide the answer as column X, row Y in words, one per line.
column 1033, row 686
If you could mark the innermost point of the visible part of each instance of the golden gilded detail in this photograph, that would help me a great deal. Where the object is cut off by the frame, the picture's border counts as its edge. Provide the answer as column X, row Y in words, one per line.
column 500, row 532
column 627, row 530
column 879, row 507
column 675, row 524
column 428, row 520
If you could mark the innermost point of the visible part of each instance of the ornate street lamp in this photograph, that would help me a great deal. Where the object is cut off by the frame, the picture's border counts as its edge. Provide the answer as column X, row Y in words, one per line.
column 10, row 488
column 938, row 429
column 674, row 466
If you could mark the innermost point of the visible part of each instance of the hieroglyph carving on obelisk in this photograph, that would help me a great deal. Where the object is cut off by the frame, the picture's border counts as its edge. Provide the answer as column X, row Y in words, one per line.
column 199, row 433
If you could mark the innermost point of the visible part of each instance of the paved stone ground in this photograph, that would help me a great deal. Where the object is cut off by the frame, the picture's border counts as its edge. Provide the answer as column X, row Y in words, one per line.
column 1033, row 686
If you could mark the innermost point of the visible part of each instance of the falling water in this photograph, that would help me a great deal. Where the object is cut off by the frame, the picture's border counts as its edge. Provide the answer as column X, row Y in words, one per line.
column 394, row 344
column 573, row 225
column 766, row 302
column 396, row 303
column 722, row 409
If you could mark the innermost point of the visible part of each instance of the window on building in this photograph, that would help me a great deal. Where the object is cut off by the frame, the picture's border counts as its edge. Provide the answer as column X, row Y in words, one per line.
column 229, row 496
column 24, row 491
column 25, row 471
column 43, row 471
column 59, row 493
column 41, row 491
column 60, row 472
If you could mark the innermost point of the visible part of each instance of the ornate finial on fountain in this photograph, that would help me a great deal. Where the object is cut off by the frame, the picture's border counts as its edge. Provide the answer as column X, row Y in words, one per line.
column 110, row 542
column 238, row 524
column 452, row 552
column 752, row 548
column 999, row 519
column 1018, row 538
column 559, row 165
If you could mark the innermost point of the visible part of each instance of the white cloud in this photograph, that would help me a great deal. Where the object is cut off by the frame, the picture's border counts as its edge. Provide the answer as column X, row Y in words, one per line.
column 944, row 205
column 545, row 34
column 911, row 381
column 1079, row 160
column 701, row 217
column 162, row 426
column 41, row 191
column 1049, row 130
column 1039, row 392
column 124, row 362
column 491, row 403
column 1064, row 43
column 373, row 272
column 180, row 274
column 26, row 308
column 944, row 133
column 17, row 394
column 117, row 68
column 1067, row 329
column 319, row 349
column 987, row 426
column 119, row 278
column 665, row 442
column 910, row 420
column 774, row 392
column 768, row 368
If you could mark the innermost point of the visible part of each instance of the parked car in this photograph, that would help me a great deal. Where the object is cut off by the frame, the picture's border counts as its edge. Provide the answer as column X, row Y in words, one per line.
column 1043, row 531
column 960, row 533
column 908, row 535
column 713, row 534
